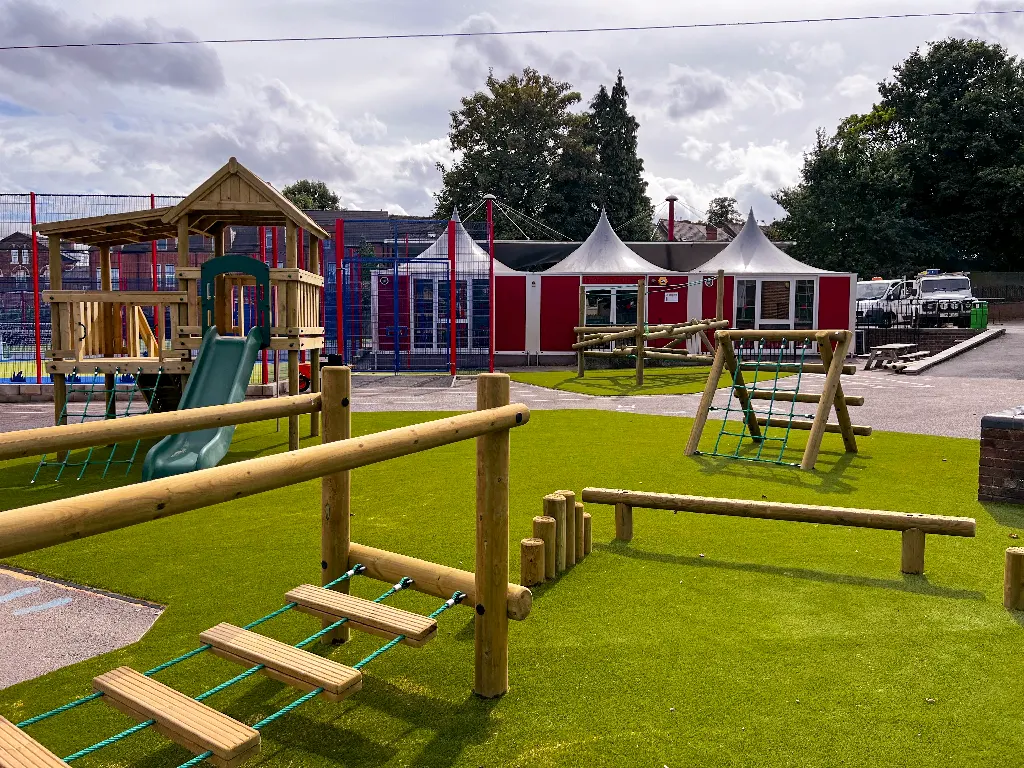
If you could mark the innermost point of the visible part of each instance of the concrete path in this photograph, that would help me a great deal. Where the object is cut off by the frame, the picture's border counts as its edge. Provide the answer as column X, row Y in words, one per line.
column 38, row 616
column 1001, row 358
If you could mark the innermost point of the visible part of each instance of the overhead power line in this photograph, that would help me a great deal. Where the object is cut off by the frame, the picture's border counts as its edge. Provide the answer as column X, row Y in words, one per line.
column 519, row 32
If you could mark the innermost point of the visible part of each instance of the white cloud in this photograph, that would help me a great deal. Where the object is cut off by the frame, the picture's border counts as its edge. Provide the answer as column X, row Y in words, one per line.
column 857, row 87
column 701, row 97
column 814, row 57
column 694, row 148
column 764, row 168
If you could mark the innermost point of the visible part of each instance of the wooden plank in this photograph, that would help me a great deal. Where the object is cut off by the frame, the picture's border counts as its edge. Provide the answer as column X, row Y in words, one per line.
column 299, row 668
column 800, row 397
column 364, row 615
column 182, row 719
column 840, row 402
column 848, row 370
column 834, row 364
column 19, row 750
column 119, row 365
column 704, row 408
column 145, row 298
column 806, row 426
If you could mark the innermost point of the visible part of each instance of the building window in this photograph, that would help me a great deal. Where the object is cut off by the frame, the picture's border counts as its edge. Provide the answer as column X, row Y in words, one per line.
column 775, row 302
column 804, row 305
column 161, row 245
column 21, row 276
column 746, row 304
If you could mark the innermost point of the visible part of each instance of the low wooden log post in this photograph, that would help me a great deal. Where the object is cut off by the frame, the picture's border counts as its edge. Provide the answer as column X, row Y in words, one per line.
column 913, row 551
column 544, row 529
column 554, row 507
column 531, row 562
column 492, row 470
column 580, row 534
column 623, row 522
column 641, row 327
column 1013, row 580
column 335, row 489
column 720, row 295
column 581, row 363
column 588, row 533
column 570, row 526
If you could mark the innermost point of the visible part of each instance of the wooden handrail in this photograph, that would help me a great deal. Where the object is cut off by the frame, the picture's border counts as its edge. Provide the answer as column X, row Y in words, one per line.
column 44, row 525
column 69, row 437
column 799, row 513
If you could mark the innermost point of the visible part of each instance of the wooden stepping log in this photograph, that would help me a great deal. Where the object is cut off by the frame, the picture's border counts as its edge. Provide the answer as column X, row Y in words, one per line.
column 282, row 662
column 364, row 615
column 181, row 719
column 19, row 750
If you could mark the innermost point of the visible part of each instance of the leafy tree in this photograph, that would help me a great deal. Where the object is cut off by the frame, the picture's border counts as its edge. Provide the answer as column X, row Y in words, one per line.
column 508, row 140
column 575, row 185
column 309, row 195
column 722, row 211
column 622, row 190
column 932, row 176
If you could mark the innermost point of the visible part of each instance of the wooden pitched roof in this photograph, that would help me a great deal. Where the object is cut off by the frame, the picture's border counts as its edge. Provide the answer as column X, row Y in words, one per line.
column 113, row 229
column 234, row 195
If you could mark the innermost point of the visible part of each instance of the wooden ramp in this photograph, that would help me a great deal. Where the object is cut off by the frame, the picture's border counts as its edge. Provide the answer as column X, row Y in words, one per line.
column 284, row 663
column 364, row 615
column 183, row 720
column 19, row 750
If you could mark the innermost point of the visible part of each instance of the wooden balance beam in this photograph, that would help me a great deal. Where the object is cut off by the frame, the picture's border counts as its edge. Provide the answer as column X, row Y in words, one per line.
column 912, row 525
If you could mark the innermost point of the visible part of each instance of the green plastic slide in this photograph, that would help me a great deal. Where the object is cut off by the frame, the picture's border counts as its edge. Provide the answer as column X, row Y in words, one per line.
column 220, row 375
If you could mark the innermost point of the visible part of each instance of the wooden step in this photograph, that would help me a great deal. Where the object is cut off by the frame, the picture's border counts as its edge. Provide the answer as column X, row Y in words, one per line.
column 19, row 750
column 282, row 662
column 364, row 615
column 805, row 425
column 181, row 719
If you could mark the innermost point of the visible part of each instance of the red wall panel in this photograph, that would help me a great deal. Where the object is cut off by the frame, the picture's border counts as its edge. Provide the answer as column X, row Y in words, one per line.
column 559, row 312
column 659, row 311
column 510, row 313
column 834, row 302
column 710, row 299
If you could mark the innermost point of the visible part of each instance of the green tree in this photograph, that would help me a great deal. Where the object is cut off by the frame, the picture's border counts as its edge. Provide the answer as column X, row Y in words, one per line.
column 507, row 140
column 932, row 176
column 622, row 189
column 575, row 185
column 309, row 195
column 722, row 211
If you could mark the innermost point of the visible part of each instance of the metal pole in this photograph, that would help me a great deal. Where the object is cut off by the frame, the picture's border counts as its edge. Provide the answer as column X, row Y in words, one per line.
column 35, row 290
column 490, row 281
column 339, row 284
column 262, row 234
column 395, row 303
column 451, row 292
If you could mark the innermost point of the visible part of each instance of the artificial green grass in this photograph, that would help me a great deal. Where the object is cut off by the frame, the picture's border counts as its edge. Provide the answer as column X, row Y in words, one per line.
column 707, row 641
column 621, row 381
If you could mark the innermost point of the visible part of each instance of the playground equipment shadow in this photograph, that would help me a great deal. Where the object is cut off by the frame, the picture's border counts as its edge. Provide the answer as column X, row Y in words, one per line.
column 786, row 644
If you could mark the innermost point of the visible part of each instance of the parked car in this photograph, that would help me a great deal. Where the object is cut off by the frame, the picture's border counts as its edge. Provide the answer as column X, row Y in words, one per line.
column 940, row 299
column 878, row 302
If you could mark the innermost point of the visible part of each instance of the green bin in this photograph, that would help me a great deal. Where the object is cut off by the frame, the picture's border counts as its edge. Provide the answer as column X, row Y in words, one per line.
column 979, row 315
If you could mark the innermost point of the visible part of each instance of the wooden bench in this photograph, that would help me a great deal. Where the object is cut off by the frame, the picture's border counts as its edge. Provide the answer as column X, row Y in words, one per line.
column 913, row 526
column 181, row 719
column 282, row 662
column 364, row 615
column 19, row 750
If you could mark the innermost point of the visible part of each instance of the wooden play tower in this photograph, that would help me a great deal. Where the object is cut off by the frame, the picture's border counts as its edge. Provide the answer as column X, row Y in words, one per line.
column 107, row 332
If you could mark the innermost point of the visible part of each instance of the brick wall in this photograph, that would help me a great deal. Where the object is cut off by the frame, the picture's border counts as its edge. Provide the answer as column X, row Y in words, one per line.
column 931, row 340
column 1001, row 467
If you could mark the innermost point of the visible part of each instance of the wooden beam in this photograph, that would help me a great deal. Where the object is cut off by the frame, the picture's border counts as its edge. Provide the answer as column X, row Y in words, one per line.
column 828, row 394
column 706, row 400
column 336, row 488
column 806, row 426
column 641, row 319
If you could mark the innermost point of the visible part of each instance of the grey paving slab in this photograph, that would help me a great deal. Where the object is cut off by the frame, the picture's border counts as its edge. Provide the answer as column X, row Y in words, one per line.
column 38, row 616
column 1001, row 358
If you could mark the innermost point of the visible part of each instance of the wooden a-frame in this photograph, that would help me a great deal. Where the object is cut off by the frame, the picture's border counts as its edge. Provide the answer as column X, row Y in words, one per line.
column 832, row 396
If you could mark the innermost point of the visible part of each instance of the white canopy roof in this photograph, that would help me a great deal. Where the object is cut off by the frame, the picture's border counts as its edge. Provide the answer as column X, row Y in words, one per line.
column 467, row 252
column 603, row 253
column 753, row 253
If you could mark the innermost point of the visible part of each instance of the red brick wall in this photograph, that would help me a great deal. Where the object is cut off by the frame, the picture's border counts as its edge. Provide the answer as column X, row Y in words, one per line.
column 1001, row 467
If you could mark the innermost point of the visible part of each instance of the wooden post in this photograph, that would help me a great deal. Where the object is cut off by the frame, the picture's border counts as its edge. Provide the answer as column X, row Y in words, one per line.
column 291, row 302
column 913, row 551
column 531, row 562
column 720, row 295
column 314, row 354
column 701, row 418
column 580, row 548
column 1013, row 579
column 60, row 390
column 588, row 533
column 109, row 380
column 842, row 411
column 828, row 393
column 623, row 522
column 544, row 529
column 335, row 489
column 641, row 324
column 554, row 507
column 570, row 526
column 492, row 469
column 581, row 361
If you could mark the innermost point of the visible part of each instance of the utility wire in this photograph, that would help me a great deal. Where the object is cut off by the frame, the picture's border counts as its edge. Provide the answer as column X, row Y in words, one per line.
column 520, row 32
column 512, row 221
column 530, row 218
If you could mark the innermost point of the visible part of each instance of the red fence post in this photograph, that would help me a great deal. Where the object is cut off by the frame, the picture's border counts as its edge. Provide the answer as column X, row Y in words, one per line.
column 452, row 331
column 261, row 233
column 35, row 291
column 490, row 278
column 301, row 261
column 339, row 252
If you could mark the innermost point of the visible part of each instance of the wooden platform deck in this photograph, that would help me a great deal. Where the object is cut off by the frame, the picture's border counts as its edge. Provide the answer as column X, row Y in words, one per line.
column 19, row 750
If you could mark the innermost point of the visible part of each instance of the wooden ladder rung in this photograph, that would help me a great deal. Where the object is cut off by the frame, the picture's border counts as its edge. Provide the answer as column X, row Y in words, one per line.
column 19, row 750
column 805, row 424
column 848, row 370
column 799, row 397
column 181, row 719
column 364, row 615
column 282, row 662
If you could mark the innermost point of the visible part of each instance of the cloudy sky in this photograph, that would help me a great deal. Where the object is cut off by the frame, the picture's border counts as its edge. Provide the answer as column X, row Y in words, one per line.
column 722, row 111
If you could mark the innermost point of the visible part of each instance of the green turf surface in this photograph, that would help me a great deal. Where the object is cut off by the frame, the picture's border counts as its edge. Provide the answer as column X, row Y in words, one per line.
column 707, row 641
column 657, row 381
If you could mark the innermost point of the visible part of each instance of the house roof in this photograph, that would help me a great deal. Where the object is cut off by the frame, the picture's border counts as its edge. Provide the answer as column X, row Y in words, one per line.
column 751, row 252
column 467, row 252
column 603, row 253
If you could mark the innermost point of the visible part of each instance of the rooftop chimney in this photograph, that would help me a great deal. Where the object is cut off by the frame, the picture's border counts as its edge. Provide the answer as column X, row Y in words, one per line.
column 711, row 232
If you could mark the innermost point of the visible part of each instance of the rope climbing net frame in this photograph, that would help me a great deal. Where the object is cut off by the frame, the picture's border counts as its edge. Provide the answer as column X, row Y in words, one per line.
column 775, row 353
